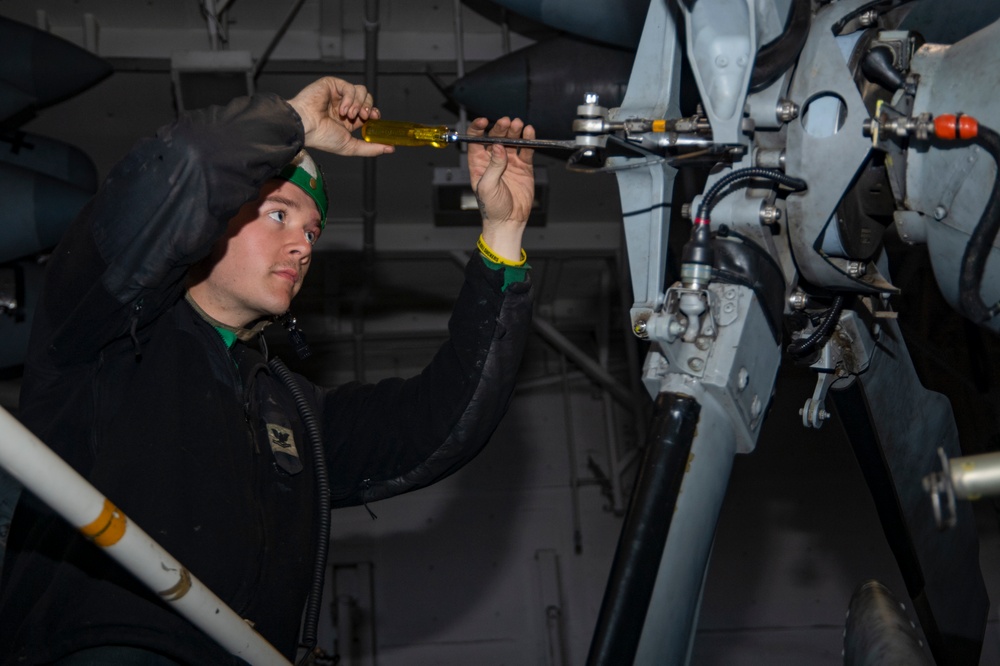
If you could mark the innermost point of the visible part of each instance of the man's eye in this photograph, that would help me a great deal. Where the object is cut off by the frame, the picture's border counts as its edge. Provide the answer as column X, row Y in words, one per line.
column 312, row 237
column 277, row 215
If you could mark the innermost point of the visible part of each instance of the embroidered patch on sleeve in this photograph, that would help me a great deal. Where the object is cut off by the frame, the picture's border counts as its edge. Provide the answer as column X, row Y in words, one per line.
column 283, row 448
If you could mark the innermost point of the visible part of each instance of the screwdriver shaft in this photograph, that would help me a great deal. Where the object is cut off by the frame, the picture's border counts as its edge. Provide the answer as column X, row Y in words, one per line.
column 527, row 143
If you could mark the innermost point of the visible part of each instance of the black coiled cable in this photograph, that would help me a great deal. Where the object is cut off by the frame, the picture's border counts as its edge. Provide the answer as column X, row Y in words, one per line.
column 749, row 173
column 698, row 249
column 322, row 501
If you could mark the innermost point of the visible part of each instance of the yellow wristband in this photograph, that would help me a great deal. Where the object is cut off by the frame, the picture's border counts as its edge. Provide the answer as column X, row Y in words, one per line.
column 485, row 250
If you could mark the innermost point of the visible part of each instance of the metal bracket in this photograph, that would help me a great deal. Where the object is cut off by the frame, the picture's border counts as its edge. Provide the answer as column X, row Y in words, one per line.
column 846, row 354
column 938, row 486
column 687, row 337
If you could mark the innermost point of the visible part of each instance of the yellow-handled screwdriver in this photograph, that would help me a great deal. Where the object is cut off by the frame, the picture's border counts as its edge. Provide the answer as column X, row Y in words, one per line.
column 401, row 133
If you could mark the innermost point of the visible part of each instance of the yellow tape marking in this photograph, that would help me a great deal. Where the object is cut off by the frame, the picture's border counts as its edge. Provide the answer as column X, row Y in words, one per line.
column 109, row 527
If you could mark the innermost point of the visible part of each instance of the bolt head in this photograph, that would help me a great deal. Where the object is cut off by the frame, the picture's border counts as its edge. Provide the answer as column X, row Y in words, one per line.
column 787, row 110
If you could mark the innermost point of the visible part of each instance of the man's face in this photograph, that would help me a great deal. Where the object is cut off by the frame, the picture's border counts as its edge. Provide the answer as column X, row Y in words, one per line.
column 258, row 266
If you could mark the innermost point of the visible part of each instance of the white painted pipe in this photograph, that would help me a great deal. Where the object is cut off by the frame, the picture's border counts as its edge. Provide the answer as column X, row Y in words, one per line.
column 57, row 484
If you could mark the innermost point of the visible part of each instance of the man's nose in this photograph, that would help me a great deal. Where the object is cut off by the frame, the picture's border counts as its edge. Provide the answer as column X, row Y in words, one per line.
column 297, row 244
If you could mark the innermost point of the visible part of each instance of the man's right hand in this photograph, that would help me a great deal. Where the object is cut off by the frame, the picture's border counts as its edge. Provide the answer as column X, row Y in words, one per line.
column 330, row 109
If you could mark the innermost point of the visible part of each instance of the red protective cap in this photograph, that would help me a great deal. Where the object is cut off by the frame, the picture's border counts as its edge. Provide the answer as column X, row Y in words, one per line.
column 951, row 126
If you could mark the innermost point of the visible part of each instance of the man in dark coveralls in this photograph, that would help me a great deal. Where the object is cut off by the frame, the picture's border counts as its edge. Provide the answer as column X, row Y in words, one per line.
column 146, row 374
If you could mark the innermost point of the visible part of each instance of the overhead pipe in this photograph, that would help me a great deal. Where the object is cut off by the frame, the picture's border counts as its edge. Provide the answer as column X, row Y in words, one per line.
column 368, row 194
column 57, row 484
column 603, row 334
column 463, row 118
column 640, row 410
column 91, row 32
column 504, row 31
column 574, row 481
column 577, row 356
column 282, row 29
column 371, row 82
column 212, row 19
column 589, row 366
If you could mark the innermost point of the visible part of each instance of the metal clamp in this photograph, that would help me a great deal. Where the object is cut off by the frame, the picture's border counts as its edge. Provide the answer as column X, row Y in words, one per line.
column 938, row 486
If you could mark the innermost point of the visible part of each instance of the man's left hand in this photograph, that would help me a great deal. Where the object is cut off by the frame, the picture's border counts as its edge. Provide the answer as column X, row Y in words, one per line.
column 503, row 179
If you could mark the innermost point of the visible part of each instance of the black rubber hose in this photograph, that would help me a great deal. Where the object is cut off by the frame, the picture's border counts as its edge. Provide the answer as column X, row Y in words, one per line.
column 775, row 57
column 322, row 500
column 980, row 244
column 801, row 347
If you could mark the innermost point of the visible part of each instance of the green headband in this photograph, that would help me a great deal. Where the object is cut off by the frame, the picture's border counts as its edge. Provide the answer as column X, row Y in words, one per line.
column 305, row 173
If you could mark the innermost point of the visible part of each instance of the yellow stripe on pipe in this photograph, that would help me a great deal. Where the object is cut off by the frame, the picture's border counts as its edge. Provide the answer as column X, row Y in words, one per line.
column 109, row 527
